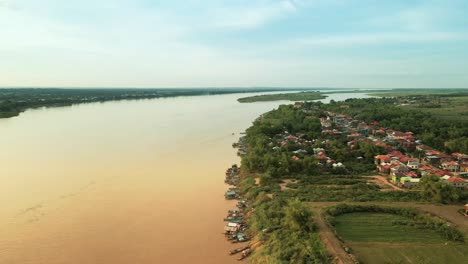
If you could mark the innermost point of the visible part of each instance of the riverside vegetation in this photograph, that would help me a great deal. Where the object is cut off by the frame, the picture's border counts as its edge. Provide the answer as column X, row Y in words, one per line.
column 281, row 177
column 302, row 96
column 13, row 101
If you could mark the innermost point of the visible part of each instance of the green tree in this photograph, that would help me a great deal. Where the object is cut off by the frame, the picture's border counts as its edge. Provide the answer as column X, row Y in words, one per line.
column 435, row 190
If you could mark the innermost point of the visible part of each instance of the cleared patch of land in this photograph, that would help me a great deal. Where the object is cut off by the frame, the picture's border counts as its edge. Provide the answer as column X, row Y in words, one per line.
column 384, row 185
column 285, row 183
column 302, row 96
column 378, row 238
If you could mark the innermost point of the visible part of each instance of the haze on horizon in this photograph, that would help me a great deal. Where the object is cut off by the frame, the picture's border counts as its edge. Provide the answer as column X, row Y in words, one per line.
column 295, row 43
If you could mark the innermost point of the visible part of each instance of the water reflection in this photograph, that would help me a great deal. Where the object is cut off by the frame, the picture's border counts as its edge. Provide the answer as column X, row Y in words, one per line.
column 120, row 182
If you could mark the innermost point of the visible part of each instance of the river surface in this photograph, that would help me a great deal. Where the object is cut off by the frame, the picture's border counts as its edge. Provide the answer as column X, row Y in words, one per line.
column 121, row 182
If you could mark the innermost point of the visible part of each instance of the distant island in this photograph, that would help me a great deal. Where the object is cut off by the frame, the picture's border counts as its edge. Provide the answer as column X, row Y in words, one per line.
column 300, row 96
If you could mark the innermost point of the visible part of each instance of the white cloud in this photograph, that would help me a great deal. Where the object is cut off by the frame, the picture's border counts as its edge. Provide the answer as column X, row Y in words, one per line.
column 253, row 16
column 386, row 38
column 422, row 18
column 125, row 43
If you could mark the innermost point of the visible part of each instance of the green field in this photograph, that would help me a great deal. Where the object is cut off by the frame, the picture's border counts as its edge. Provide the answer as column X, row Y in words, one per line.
column 377, row 238
column 448, row 108
column 416, row 92
column 302, row 96
column 420, row 253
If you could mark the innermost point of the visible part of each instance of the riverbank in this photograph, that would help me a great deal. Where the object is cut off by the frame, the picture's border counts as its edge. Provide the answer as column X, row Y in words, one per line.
column 14, row 101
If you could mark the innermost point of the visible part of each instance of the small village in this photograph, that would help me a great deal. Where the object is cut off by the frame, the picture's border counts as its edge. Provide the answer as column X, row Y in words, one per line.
column 403, row 170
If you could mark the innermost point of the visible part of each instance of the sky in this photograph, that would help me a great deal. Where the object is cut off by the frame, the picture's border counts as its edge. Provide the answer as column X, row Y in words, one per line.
column 244, row 43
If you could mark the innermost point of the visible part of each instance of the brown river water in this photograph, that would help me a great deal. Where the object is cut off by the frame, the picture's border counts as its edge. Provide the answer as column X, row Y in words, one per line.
column 121, row 182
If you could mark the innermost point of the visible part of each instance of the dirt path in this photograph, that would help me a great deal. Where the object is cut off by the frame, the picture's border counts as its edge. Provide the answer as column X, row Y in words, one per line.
column 332, row 243
column 285, row 182
column 382, row 181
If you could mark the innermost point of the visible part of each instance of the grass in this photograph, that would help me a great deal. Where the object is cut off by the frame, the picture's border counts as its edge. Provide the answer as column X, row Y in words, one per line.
column 302, row 96
column 451, row 108
column 420, row 253
column 375, row 238
column 380, row 227
column 415, row 92
column 447, row 104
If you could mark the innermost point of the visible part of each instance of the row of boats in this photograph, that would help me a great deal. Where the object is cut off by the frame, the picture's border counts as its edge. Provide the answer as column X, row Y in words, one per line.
column 236, row 227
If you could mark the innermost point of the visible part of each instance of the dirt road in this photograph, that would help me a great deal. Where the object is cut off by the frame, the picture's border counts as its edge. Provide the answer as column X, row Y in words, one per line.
column 332, row 243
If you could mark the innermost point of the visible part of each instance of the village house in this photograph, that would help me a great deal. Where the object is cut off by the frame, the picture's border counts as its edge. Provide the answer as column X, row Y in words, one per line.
column 382, row 159
column 457, row 182
column 298, row 104
column 411, row 174
column 384, row 168
column 408, row 182
column 339, row 119
column 423, row 148
column 322, row 159
column 291, row 138
column 397, row 172
column 464, row 168
column 398, row 135
column 442, row 173
column 413, row 164
column 445, row 178
column 432, row 160
column 325, row 122
column 397, row 155
column 354, row 135
column 452, row 166
column 300, row 151
column 338, row 165
column 383, row 145
column 460, row 157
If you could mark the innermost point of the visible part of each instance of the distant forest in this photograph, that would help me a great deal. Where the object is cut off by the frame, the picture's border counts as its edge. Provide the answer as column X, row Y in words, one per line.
column 13, row 101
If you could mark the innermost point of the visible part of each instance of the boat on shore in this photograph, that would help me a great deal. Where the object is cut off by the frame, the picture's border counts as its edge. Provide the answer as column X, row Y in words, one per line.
column 236, row 230
column 245, row 254
column 237, row 250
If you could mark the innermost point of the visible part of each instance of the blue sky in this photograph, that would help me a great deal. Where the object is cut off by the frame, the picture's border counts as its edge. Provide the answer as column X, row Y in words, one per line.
column 296, row 43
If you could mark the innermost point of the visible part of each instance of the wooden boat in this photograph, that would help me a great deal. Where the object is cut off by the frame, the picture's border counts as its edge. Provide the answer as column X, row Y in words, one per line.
column 234, row 211
column 245, row 254
column 240, row 237
column 237, row 220
column 237, row 250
